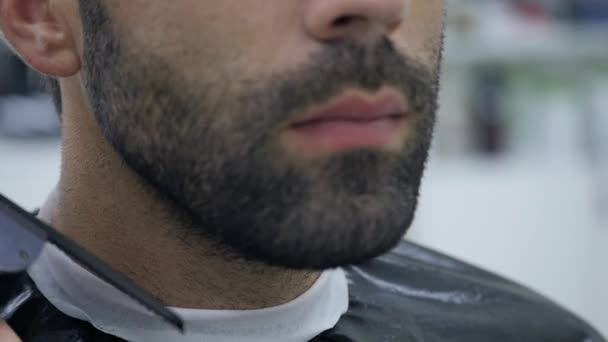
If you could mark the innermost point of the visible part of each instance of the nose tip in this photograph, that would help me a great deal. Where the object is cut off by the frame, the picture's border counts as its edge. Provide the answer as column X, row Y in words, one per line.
column 328, row 20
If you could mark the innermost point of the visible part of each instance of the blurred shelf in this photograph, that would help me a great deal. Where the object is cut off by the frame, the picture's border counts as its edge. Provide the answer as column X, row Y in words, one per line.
column 548, row 44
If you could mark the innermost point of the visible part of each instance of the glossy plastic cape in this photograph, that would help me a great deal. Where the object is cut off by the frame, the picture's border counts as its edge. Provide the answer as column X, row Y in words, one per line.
column 409, row 294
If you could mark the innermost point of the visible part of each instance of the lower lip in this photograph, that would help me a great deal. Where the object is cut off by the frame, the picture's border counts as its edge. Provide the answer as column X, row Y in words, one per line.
column 344, row 134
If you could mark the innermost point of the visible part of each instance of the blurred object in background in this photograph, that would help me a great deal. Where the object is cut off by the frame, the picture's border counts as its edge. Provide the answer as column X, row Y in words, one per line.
column 29, row 116
column 25, row 109
column 535, row 74
column 13, row 72
column 589, row 10
column 596, row 129
column 518, row 179
column 487, row 111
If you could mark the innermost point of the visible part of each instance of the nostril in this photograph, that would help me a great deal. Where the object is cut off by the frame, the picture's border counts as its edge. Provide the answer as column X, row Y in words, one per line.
column 345, row 20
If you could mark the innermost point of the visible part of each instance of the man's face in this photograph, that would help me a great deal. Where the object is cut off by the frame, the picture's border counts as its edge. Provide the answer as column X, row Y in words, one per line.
column 292, row 132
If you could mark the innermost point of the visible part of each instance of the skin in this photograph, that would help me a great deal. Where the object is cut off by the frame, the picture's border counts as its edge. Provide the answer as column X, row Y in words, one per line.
column 111, row 209
column 7, row 334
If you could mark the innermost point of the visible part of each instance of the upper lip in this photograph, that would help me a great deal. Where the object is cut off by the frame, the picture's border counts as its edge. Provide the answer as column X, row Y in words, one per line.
column 358, row 108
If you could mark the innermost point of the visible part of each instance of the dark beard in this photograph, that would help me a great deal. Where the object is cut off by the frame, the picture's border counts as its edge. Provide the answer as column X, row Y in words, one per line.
column 212, row 149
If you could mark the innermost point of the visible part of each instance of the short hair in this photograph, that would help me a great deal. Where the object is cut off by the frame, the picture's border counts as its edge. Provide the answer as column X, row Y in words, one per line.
column 52, row 87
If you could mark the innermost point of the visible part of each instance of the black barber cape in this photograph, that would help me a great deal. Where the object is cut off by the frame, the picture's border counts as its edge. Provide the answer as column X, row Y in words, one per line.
column 409, row 294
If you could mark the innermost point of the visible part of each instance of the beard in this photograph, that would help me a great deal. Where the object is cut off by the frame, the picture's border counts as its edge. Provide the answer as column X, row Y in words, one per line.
column 211, row 148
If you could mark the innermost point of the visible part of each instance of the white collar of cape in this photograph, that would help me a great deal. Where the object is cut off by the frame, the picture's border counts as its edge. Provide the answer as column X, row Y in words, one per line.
column 79, row 294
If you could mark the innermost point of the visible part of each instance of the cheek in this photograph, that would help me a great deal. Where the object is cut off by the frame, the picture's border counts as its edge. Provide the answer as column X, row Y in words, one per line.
column 222, row 37
column 420, row 35
column 268, row 35
column 193, row 38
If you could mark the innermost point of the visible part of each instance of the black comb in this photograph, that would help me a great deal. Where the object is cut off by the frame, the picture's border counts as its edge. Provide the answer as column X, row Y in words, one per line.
column 22, row 237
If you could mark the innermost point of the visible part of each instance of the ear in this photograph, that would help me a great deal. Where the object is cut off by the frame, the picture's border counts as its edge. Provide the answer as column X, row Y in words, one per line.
column 36, row 31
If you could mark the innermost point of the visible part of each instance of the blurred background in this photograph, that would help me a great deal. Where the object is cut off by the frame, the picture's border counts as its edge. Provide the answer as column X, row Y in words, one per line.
column 518, row 179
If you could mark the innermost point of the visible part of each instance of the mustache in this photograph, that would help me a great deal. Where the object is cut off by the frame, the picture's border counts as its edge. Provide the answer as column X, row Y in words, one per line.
column 340, row 66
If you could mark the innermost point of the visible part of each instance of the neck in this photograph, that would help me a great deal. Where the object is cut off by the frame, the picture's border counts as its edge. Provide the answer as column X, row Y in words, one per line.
column 100, row 203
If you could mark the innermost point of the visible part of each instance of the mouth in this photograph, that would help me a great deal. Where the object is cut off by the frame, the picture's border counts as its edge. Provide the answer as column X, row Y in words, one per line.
column 355, row 120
